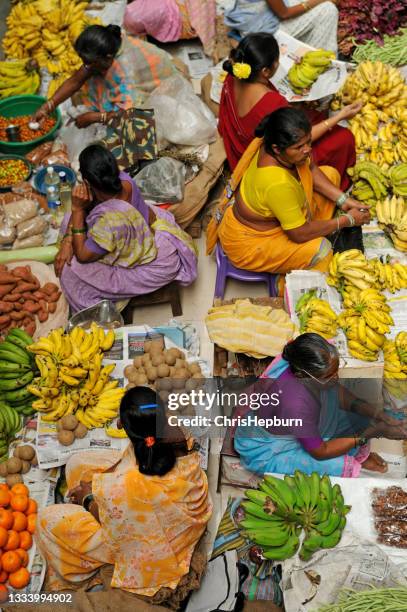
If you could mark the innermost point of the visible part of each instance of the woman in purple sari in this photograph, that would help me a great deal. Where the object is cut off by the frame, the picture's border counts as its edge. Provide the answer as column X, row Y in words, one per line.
column 113, row 245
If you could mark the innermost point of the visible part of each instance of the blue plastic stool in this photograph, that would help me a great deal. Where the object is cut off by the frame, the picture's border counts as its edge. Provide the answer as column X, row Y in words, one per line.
column 224, row 269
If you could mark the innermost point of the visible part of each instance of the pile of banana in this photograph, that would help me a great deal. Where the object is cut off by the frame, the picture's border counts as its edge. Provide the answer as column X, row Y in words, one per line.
column 398, row 178
column 400, row 342
column 365, row 321
column 19, row 77
column 302, row 75
column 395, row 366
column 380, row 129
column 10, row 425
column 17, row 370
column 316, row 315
column 370, row 183
column 72, row 379
column 389, row 276
column 46, row 31
column 351, row 269
column 392, row 216
column 276, row 514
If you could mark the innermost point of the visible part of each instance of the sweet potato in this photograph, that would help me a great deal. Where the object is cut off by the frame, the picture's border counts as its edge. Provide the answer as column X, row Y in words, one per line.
column 6, row 307
column 5, row 289
column 40, row 295
column 52, row 306
column 3, row 268
column 54, row 297
column 22, row 286
column 16, row 306
column 11, row 297
column 31, row 306
column 6, row 278
column 27, row 319
column 17, row 316
column 42, row 316
column 50, row 288
column 4, row 319
column 30, row 328
column 29, row 295
column 23, row 272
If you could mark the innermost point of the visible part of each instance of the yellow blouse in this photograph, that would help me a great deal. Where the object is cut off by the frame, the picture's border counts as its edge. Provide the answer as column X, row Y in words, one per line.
column 274, row 193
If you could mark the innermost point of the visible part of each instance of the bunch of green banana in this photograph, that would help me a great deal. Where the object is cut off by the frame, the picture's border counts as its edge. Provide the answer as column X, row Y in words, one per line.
column 17, row 370
column 401, row 346
column 276, row 514
column 351, row 268
column 316, row 315
column 10, row 425
column 303, row 74
column 365, row 321
column 72, row 379
column 398, row 178
column 390, row 276
column 369, row 181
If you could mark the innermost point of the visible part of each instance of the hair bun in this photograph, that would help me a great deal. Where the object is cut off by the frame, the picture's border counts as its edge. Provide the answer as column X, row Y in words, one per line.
column 115, row 30
column 228, row 66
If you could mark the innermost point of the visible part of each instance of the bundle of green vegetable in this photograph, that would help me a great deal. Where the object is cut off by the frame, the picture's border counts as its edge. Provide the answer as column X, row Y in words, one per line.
column 392, row 51
column 392, row 599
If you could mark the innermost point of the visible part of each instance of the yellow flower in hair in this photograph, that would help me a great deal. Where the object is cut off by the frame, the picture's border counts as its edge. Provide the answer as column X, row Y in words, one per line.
column 241, row 70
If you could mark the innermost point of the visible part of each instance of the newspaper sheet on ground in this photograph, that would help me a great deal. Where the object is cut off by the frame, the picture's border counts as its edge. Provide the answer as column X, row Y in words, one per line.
column 129, row 343
column 291, row 50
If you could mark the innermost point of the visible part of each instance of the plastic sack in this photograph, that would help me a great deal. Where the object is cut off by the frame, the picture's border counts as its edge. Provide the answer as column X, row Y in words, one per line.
column 7, row 232
column 37, row 155
column 77, row 139
column 31, row 227
column 390, row 513
column 163, row 180
column 28, row 243
column 21, row 210
column 181, row 116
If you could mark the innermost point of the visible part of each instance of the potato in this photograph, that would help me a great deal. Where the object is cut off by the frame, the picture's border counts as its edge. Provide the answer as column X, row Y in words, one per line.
column 26, row 467
column 65, row 437
column 13, row 479
column 59, row 426
column 182, row 373
column 166, row 384
column 26, row 452
column 178, row 383
column 180, row 363
column 134, row 374
column 157, row 359
column 146, row 359
column 157, row 345
column 141, row 380
column 130, row 386
column 14, row 465
column 152, row 374
column 80, row 431
column 3, row 469
column 170, row 358
column 129, row 370
column 194, row 368
column 69, row 422
column 164, row 395
column 172, row 371
column 147, row 346
column 163, row 370
column 137, row 362
column 34, row 461
column 190, row 385
column 176, row 352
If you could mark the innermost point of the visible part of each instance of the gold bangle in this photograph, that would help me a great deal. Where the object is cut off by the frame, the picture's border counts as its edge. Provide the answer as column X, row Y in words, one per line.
column 327, row 125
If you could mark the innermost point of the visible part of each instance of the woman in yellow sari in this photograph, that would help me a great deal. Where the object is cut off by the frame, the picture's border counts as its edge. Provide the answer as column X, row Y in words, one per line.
column 143, row 511
column 279, row 208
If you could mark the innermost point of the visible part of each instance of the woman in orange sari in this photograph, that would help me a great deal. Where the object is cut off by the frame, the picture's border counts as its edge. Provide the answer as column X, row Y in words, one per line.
column 279, row 209
column 143, row 511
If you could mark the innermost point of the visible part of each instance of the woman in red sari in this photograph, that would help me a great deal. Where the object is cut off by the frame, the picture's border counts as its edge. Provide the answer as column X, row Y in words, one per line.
column 248, row 96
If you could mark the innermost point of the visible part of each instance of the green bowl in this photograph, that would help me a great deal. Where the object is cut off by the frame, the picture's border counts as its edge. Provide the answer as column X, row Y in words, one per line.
column 29, row 170
column 25, row 105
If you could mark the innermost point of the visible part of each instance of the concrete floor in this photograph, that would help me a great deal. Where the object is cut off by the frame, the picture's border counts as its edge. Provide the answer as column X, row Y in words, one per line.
column 4, row 11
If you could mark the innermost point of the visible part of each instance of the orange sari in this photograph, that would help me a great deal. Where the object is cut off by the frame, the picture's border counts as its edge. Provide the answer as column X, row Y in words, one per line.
column 271, row 250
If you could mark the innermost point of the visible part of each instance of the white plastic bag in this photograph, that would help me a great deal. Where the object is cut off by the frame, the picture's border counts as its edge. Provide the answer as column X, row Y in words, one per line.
column 162, row 180
column 180, row 115
column 77, row 139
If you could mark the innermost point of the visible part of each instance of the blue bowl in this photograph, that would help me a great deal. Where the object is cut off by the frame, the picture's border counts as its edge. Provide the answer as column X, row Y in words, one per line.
column 39, row 177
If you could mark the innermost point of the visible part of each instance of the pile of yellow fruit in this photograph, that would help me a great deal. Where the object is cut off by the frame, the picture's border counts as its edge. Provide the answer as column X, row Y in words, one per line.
column 380, row 129
column 46, row 31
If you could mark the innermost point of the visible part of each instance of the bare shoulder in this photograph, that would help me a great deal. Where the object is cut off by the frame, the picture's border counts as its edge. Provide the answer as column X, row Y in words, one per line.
column 248, row 95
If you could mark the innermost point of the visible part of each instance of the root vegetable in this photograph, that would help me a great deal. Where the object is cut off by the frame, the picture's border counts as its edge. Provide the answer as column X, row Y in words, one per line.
column 65, row 437
column 152, row 374
column 147, row 346
column 157, row 345
column 182, row 373
column 163, row 370
column 26, row 467
column 129, row 370
column 157, row 359
column 164, row 395
column 137, row 362
column 14, row 465
column 3, row 469
column 52, row 306
column 170, row 358
column 194, row 368
column 141, row 380
column 42, row 315
column 80, row 431
column 5, row 289
column 26, row 452
column 180, row 363
column 13, row 479
column 69, row 422
column 34, row 461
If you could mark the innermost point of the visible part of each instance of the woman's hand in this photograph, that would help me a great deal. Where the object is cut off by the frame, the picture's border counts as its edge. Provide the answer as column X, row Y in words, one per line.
column 64, row 256
column 351, row 204
column 86, row 119
column 81, row 197
column 349, row 111
column 361, row 216
column 40, row 114
column 78, row 494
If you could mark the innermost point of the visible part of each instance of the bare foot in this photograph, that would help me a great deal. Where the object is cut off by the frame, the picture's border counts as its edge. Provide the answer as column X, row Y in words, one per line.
column 374, row 463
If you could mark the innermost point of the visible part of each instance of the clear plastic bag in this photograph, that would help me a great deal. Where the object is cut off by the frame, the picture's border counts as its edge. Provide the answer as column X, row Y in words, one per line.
column 181, row 116
column 20, row 210
column 77, row 139
column 162, row 180
column 390, row 514
column 7, row 231
column 31, row 227
column 28, row 243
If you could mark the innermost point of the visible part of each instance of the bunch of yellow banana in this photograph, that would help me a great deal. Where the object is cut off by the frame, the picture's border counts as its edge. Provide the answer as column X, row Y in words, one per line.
column 72, row 379
column 316, row 315
column 400, row 342
column 390, row 276
column 380, row 129
column 46, row 30
column 18, row 77
column 365, row 321
column 351, row 268
column 313, row 63
column 393, row 366
column 392, row 217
